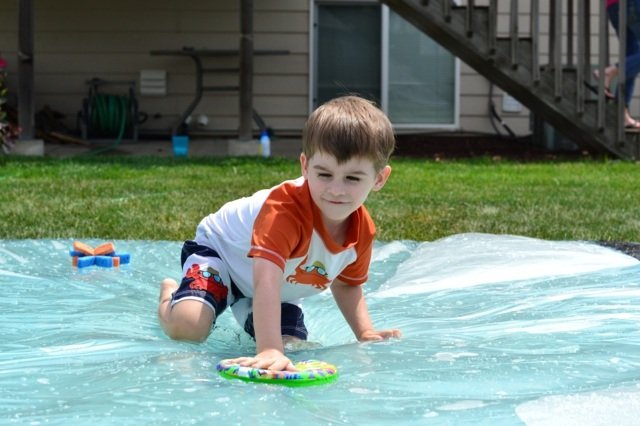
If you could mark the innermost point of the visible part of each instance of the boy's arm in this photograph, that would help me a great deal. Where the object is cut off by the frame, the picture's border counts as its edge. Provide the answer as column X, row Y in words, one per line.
column 267, row 279
column 350, row 300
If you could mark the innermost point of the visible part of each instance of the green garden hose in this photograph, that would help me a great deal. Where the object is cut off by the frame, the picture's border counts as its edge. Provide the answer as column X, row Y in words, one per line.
column 110, row 116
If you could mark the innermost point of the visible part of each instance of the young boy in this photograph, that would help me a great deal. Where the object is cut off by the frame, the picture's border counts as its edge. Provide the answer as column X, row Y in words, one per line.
column 262, row 254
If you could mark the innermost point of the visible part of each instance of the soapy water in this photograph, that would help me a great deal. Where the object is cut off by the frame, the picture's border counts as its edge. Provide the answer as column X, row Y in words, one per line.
column 497, row 330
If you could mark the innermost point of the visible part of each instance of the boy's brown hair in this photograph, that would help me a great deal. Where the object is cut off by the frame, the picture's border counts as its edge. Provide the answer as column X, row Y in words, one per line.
column 348, row 127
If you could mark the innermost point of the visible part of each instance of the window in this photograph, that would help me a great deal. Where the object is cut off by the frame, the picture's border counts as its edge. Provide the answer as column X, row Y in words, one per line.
column 348, row 52
column 421, row 77
column 366, row 49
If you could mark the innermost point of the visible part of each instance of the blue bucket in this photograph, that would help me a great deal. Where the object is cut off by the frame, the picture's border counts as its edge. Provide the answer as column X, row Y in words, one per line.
column 180, row 145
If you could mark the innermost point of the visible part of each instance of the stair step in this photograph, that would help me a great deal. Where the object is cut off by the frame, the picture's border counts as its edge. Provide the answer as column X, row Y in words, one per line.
column 220, row 88
column 221, row 70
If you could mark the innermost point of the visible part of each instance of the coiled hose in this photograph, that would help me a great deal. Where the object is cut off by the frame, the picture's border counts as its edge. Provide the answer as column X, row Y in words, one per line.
column 110, row 116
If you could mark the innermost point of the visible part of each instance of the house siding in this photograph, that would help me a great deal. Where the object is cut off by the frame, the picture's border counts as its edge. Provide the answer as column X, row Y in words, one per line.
column 78, row 40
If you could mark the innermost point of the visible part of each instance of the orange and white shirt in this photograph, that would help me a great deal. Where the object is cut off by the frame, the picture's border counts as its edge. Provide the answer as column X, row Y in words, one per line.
column 283, row 225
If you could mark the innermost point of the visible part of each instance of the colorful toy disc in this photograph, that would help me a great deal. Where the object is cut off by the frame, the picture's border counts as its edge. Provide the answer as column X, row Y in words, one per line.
column 310, row 373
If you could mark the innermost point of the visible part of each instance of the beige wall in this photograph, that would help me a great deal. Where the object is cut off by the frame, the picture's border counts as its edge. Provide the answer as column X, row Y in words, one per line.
column 76, row 40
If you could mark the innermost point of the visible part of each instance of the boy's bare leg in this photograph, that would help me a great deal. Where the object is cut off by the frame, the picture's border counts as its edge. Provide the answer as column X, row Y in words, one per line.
column 187, row 320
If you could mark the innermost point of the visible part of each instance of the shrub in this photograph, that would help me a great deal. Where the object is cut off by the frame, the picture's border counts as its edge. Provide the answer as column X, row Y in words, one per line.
column 9, row 131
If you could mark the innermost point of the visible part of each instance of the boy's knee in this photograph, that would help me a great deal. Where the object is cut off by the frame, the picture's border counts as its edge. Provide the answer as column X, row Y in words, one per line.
column 186, row 332
column 189, row 320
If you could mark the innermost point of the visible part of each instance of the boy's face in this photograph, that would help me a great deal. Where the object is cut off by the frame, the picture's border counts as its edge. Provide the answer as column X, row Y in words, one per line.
column 340, row 189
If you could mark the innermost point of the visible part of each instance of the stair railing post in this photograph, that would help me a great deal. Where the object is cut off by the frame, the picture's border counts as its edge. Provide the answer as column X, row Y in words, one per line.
column 493, row 26
column 581, row 58
column 603, row 59
column 552, row 30
column 513, row 33
column 587, row 31
column 557, row 51
column 570, row 32
column 468, row 17
column 535, row 38
column 622, row 48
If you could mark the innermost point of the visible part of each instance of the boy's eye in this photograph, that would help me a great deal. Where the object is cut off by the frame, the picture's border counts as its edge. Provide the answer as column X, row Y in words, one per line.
column 324, row 175
column 353, row 178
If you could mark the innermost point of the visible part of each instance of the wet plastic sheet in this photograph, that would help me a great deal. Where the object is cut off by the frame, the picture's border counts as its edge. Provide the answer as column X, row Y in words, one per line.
column 497, row 330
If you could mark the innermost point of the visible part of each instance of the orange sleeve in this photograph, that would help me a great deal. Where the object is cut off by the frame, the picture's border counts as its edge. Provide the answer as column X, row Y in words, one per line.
column 281, row 227
column 357, row 273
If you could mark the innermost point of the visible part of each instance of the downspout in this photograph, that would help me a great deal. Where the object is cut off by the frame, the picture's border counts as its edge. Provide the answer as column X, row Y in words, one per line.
column 26, row 115
column 245, row 132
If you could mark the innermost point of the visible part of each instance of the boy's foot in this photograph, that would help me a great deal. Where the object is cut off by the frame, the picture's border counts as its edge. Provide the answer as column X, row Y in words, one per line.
column 167, row 287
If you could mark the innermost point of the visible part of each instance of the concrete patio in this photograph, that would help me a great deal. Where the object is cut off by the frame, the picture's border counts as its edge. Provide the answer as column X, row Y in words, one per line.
column 280, row 147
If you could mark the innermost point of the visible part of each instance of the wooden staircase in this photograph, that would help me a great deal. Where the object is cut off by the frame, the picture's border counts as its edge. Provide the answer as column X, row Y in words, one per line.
column 555, row 90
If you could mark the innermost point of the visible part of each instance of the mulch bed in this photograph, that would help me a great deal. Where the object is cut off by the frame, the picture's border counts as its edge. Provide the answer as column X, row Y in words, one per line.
column 631, row 249
column 444, row 146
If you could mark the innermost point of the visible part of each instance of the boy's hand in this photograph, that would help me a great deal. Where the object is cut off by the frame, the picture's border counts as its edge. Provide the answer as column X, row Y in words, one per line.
column 271, row 359
column 377, row 335
column 350, row 300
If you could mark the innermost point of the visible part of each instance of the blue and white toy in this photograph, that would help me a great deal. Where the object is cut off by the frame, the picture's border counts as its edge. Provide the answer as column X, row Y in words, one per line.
column 105, row 255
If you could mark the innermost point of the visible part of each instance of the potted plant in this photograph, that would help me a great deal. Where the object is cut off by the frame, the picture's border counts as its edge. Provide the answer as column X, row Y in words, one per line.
column 9, row 131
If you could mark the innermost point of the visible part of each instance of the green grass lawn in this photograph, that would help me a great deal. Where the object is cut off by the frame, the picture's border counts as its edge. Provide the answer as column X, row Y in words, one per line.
column 165, row 198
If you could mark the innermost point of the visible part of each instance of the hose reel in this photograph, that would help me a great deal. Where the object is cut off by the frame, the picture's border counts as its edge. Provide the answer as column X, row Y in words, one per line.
column 109, row 116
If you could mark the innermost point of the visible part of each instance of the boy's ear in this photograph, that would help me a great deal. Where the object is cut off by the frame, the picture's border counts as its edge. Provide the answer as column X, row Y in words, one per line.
column 303, row 165
column 381, row 178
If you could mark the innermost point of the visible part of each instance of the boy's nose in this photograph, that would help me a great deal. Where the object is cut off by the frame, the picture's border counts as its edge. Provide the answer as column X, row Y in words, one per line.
column 336, row 188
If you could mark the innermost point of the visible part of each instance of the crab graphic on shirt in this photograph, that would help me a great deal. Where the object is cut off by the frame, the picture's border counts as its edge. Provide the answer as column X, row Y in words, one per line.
column 208, row 280
column 314, row 274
